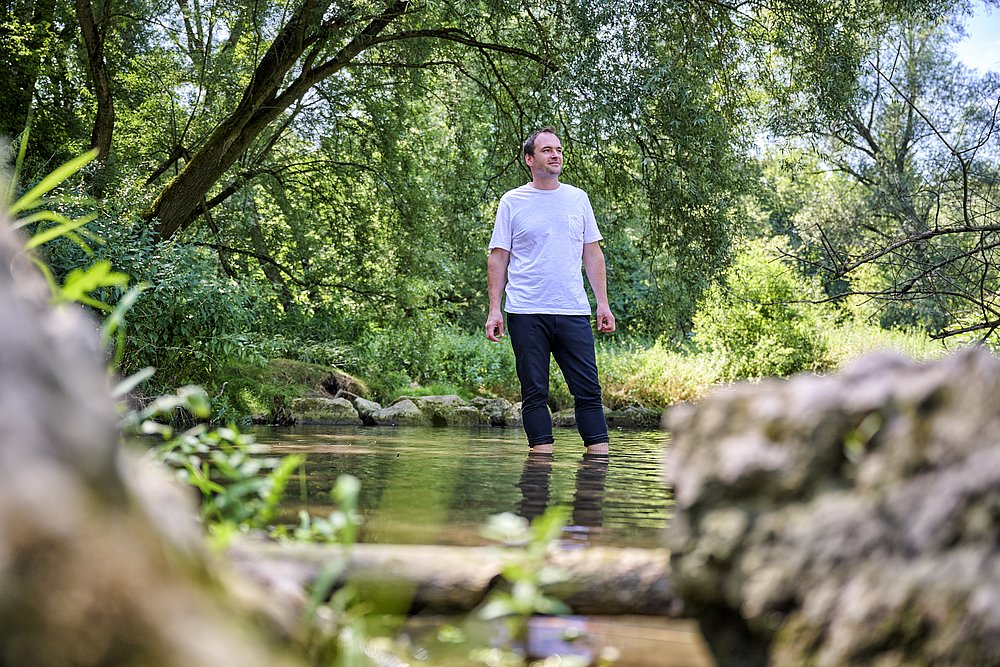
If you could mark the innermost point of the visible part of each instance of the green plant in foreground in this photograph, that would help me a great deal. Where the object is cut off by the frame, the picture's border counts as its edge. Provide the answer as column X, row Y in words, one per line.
column 239, row 491
column 525, row 569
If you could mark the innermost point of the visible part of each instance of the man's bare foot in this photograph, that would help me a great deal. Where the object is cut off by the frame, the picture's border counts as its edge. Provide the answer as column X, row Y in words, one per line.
column 599, row 448
column 543, row 449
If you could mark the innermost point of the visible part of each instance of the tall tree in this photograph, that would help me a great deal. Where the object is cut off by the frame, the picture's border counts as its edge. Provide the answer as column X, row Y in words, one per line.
column 920, row 143
column 319, row 40
column 94, row 28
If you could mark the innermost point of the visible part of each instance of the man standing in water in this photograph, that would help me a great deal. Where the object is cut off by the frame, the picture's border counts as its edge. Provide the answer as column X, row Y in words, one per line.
column 543, row 231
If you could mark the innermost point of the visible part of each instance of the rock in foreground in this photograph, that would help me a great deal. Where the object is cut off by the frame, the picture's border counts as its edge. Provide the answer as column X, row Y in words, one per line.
column 87, row 577
column 844, row 520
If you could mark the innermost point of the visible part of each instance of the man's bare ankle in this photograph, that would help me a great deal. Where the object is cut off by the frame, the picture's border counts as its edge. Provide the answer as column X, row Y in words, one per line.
column 541, row 449
column 599, row 448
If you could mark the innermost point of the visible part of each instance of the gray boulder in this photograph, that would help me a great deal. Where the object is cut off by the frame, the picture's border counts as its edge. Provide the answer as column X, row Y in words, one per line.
column 844, row 520
column 403, row 412
column 319, row 410
column 498, row 411
column 367, row 410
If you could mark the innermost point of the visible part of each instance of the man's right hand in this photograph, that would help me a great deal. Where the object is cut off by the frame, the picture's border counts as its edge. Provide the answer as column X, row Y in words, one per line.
column 494, row 327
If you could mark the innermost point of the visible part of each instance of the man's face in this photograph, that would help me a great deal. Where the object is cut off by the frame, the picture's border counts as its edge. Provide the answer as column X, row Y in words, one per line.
column 547, row 159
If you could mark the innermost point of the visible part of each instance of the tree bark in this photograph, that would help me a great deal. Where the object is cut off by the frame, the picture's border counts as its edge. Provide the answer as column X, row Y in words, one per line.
column 94, row 37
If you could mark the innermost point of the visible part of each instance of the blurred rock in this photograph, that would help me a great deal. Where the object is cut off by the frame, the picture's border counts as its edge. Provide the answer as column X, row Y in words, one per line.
column 844, row 520
column 87, row 576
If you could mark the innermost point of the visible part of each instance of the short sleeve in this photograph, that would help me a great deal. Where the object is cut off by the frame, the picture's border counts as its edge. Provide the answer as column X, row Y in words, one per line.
column 590, row 231
column 501, row 228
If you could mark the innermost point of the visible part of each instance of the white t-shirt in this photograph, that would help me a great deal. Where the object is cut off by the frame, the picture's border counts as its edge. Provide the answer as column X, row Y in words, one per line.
column 545, row 230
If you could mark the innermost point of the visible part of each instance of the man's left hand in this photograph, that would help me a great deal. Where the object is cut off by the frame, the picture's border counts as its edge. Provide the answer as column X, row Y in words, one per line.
column 605, row 320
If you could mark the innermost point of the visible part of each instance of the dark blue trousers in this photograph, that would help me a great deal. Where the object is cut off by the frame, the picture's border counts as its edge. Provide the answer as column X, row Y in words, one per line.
column 570, row 340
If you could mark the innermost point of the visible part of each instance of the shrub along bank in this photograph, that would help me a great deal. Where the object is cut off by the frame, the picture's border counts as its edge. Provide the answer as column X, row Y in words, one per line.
column 761, row 318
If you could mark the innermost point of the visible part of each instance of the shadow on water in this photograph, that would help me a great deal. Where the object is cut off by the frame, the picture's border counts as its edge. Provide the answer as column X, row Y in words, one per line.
column 439, row 486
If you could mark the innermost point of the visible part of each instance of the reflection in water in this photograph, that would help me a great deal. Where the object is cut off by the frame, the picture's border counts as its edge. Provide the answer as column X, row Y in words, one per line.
column 588, row 503
column 588, row 497
column 534, row 485
column 440, row 486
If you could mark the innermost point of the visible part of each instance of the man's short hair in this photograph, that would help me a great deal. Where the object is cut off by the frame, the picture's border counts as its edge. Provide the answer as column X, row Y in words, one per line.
column 529, row 144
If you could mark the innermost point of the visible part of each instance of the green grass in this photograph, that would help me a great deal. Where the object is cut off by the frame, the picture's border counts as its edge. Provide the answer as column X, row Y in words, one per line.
column 655, row 376
column 852, row 340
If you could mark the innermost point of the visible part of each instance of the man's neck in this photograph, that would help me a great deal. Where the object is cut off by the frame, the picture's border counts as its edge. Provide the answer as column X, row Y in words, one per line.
column 545, row 183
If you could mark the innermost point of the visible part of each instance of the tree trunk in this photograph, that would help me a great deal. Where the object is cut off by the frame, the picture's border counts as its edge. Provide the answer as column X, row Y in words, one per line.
column 263, row 102
column 94, row 37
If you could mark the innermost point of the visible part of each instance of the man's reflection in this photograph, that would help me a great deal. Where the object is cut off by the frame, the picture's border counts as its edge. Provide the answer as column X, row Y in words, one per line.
column 588, row 499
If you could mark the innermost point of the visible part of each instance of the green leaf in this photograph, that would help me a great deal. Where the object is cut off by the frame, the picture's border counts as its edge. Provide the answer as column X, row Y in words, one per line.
column 33, row 197
column 60, row 230
column 115, row 319
column 132, row 381
column 498, row 607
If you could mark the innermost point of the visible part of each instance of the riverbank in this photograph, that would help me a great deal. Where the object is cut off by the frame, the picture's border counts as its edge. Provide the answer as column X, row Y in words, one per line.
column 639, row 382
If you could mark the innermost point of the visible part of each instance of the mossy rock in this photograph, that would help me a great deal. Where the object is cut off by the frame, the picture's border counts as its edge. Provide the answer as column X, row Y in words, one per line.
column 402, row 413
column 338, row 381
column 498, row 411
column 331, row 411
column 634, row 416
column 450, row 410
column 564, row 418
column 266, row 392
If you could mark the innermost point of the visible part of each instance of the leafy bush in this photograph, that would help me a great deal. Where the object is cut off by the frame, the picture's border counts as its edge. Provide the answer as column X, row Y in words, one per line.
column 390, row 360
column 190, row 320
column 323, row 352
column 760, row 319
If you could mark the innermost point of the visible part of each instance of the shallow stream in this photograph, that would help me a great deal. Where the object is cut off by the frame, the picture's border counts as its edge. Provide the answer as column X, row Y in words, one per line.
column 439, row 485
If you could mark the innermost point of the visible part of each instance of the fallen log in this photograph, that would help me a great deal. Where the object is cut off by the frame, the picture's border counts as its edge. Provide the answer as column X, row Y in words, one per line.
column 445, row 579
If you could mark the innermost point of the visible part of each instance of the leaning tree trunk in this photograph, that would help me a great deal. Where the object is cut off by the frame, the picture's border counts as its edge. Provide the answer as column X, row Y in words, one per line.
column 264, row 100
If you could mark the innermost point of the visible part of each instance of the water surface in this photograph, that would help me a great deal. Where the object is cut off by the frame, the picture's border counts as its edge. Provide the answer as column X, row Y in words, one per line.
column 439, row 485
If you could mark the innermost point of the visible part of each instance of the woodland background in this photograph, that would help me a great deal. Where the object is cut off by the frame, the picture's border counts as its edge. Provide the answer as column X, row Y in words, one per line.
column 781, row 184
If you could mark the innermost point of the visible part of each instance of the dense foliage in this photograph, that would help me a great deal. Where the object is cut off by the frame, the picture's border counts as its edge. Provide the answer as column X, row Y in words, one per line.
column 761, row 318
column 316, row 179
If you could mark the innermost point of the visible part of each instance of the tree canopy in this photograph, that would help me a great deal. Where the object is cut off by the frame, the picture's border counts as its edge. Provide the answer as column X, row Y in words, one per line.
column 341, row 159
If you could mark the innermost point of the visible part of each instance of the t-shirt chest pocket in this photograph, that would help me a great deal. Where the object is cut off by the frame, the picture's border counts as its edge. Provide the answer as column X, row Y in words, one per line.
column 575, row 226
